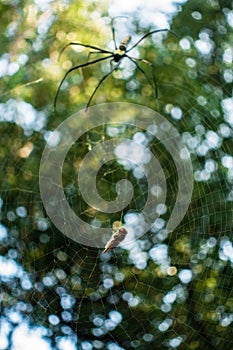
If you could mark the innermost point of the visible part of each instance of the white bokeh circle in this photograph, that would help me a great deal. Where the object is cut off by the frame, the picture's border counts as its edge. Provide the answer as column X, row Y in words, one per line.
column 119, row 113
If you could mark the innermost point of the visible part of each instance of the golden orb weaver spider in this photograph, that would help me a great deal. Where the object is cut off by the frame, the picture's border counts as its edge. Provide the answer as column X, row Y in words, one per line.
column 116, row 56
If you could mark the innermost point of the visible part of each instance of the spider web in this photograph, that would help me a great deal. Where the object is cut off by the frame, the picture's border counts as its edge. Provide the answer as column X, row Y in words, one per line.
column 164, row 290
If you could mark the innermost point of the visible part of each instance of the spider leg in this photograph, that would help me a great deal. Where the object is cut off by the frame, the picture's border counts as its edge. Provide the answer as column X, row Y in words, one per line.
column 113, row 35
column 84, row 45
column 71, row 70
column 111, row 65
column 113, row 29
column 150, row 33
column 93, row 52
column 100, row 82
column 153, row 73
column 143, row 72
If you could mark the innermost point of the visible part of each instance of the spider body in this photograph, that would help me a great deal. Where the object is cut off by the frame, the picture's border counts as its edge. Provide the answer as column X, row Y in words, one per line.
column 115, row 56
column 119, row 53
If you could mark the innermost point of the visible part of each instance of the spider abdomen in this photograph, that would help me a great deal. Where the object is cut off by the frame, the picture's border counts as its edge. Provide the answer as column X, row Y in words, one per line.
column 125, row 42
column 120, row 52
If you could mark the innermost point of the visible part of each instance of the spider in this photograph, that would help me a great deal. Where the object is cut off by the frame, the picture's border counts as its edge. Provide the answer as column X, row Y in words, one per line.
column 116, row 57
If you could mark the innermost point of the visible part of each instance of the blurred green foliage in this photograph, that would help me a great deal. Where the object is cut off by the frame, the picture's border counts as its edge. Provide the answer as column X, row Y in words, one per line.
column 194, row 73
